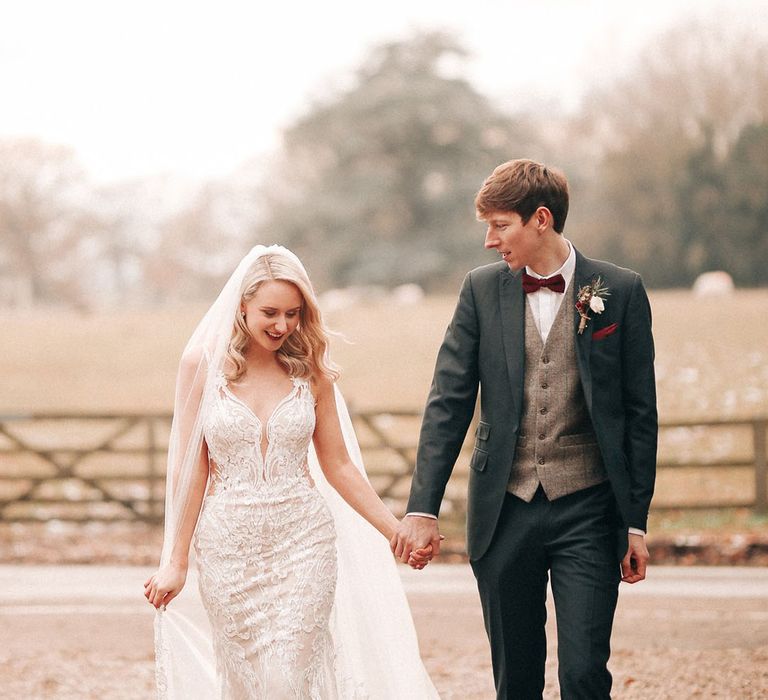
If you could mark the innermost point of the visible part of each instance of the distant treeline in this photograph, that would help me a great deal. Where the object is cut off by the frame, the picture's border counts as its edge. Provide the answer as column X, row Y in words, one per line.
column 374, row 185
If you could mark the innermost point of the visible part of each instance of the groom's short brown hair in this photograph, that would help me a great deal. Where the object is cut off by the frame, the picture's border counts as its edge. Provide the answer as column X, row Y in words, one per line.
column 522, row 186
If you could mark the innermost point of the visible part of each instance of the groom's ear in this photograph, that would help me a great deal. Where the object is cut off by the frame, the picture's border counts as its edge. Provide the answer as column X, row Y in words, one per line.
column 543, row 218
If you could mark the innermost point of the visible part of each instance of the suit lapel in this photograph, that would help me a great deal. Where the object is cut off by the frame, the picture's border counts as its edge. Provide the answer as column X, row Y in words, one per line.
column 512, row 303
column 582, row 276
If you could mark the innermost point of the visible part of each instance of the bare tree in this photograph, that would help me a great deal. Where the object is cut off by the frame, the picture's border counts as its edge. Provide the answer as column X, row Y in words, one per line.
column 48, row 233
column 199, row 245
column 136, row 214
column 696, row 81
column 661, row 138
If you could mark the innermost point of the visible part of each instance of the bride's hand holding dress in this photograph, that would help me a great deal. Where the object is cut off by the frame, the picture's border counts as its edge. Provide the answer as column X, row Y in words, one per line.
column 168, row 581
column 164, row 585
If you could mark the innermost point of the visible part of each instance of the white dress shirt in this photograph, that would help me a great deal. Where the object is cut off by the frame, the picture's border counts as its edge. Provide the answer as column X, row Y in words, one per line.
column 544, row 305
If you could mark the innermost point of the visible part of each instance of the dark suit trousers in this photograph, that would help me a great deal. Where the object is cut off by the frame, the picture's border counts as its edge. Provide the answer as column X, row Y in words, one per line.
column 573, row 539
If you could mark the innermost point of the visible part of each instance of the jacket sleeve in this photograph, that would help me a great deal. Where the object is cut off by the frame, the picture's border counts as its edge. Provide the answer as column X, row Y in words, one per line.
column 450, row 406
column 639, row 398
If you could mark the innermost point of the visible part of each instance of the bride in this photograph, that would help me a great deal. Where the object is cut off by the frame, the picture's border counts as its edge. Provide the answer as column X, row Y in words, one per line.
column 302, row 595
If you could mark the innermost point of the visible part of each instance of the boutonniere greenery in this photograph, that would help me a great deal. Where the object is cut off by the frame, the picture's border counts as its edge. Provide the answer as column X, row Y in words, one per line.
column 591, row 297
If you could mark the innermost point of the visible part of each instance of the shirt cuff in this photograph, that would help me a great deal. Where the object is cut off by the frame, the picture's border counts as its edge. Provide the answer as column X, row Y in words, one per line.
column 423, row 515
column 636, row 531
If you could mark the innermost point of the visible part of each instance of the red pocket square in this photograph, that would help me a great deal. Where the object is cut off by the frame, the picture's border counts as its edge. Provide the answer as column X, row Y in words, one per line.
column 605, row 332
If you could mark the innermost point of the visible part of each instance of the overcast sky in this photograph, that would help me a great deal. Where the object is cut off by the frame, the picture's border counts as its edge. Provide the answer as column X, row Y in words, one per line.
column 196, row 88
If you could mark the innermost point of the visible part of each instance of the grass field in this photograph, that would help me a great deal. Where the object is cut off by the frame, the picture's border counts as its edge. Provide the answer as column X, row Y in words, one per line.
column 712, row 355
column 712, row 362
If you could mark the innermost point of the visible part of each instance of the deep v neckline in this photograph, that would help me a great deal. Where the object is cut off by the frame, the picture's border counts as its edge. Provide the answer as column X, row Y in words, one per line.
column 262, row 423
column 264, row 443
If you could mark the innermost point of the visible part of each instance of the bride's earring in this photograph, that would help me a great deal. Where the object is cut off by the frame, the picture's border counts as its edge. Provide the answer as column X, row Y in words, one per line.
column 242, row 315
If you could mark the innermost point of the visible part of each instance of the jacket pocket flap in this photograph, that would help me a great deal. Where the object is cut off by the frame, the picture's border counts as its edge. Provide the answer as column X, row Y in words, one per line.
column 479, row 459
column 483, row 430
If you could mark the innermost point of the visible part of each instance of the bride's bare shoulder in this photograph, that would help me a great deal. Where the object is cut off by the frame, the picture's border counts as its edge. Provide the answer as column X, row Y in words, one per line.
column 192, row 357
column 193, row 366
column 322, row 385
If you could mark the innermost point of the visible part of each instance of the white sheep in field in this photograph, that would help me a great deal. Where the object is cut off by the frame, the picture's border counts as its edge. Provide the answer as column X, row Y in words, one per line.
column 713, row 284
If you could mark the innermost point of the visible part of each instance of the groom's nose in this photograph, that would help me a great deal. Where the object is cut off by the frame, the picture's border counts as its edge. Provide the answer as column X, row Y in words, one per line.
column 491, row 239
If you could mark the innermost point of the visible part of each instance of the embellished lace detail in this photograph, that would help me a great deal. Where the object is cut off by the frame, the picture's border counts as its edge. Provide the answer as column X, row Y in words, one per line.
column 266, row 551
column 162, row 655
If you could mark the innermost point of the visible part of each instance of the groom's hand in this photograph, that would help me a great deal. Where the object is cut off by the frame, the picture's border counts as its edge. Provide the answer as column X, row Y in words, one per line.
column 635, row 562
column 415, row 532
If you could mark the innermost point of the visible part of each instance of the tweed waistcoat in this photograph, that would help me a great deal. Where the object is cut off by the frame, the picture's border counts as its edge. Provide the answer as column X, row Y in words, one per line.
column 557, row 446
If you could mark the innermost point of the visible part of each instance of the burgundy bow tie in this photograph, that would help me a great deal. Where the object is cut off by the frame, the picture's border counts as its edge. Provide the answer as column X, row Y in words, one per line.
column 533, row 284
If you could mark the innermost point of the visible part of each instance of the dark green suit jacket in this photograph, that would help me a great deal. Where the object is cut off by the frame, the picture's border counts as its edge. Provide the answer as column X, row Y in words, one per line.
column 484, row 349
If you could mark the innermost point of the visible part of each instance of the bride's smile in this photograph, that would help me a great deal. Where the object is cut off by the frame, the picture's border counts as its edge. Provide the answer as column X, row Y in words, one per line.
column 272, row 314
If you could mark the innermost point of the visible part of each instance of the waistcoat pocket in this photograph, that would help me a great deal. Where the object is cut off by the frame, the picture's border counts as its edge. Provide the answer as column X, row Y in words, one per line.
column 579, row 439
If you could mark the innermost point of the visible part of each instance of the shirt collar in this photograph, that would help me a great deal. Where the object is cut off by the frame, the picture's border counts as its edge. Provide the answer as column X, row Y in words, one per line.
column 566, row 269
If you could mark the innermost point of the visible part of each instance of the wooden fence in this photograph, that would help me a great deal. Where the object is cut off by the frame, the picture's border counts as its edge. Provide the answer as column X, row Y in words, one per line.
column 89, row 467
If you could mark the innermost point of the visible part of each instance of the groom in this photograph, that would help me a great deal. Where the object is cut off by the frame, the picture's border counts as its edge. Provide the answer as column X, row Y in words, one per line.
column 563, row 467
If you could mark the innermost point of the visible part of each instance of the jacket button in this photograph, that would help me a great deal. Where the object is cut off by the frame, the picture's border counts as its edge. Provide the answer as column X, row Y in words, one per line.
column 541, row 436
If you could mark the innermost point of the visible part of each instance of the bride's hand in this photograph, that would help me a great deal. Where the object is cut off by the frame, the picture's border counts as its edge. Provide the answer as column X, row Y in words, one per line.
column 165, row 584
column 419, row 558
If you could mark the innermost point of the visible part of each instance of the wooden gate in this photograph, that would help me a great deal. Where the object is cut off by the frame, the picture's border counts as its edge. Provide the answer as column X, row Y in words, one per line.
column 87, row 467
column 82, row 467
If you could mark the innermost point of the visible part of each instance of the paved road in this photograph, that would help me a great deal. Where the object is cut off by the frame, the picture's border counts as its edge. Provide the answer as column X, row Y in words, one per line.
column 38, row 585
column 683, row 630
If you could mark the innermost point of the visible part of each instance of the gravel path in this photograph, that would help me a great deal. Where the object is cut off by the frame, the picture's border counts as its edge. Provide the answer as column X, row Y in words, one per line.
column 85, row 632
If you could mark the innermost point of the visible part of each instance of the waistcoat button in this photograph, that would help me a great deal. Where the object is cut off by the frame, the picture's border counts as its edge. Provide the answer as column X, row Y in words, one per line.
column 541, row 460
column 543, row 410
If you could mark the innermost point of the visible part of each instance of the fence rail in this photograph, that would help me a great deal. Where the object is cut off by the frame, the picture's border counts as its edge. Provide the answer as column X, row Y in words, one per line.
column 86, row 467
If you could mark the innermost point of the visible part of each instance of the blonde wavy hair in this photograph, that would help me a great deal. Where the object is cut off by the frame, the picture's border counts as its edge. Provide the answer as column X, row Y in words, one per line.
column 304, row 353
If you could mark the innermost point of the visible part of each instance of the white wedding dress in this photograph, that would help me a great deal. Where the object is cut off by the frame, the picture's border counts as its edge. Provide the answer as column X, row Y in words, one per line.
column 266, row 551
column 302, row 596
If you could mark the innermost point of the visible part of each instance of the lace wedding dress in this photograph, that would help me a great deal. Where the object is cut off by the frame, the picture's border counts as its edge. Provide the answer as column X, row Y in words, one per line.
column 298, row 596
column 266, row 551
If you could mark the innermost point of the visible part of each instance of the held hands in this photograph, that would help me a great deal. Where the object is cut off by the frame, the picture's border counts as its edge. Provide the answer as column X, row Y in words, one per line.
column 416, row 541
column 635, row 562
column 420, row 557
column 164, row 585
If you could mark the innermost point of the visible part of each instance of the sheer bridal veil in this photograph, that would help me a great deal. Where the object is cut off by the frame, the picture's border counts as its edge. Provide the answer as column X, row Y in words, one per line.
column 377, row 654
